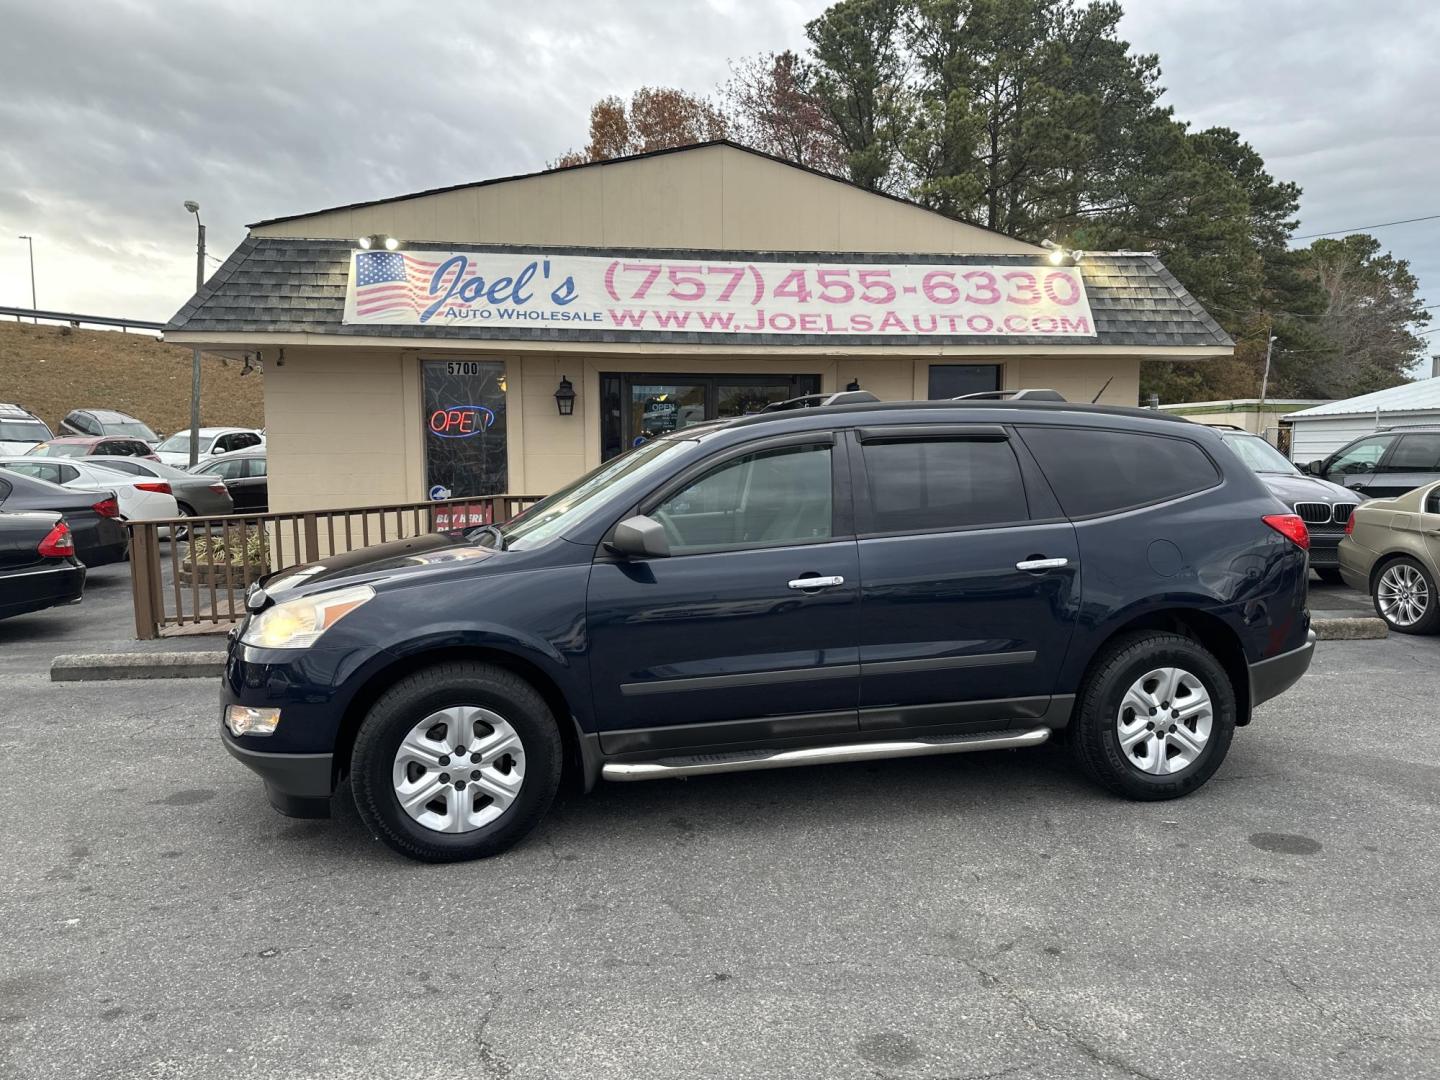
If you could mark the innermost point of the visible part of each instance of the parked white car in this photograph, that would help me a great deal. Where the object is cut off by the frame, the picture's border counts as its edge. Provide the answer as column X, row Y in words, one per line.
column 20, row 430
column 214, row 442
column 141, row 498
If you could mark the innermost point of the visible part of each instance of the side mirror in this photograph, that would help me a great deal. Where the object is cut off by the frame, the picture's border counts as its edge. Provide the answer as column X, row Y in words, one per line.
column 1316, row 467
column 640, row 537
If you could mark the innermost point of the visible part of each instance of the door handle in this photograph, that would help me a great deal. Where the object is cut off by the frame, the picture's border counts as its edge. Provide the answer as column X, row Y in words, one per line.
column 816, row 582
column 1041, row 564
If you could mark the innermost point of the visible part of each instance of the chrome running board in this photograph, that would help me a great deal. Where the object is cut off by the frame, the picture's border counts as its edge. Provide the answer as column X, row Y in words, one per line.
column 748, row 760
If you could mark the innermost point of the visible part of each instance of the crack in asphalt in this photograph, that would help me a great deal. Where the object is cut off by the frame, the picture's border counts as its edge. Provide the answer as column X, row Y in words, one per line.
column 1013, row 995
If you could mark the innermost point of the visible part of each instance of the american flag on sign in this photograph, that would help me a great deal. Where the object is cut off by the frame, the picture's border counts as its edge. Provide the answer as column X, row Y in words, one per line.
column 393, row 283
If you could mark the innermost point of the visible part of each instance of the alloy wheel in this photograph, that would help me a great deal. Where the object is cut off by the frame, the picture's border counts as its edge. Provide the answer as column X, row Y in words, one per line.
column 1403, row 594
column 1164, row 721
column 459, row 769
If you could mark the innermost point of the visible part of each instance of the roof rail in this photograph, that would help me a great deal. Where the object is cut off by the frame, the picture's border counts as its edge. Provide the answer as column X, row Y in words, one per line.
column 816, row 401
column 1012, row 395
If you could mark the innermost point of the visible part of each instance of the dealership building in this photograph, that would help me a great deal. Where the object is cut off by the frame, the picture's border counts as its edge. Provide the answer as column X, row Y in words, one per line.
column 511, row 334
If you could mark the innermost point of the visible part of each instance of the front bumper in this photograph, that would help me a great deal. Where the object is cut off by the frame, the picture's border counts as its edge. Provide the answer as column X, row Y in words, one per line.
column 1270, row 678
column 297, row 785
column 1325, row 549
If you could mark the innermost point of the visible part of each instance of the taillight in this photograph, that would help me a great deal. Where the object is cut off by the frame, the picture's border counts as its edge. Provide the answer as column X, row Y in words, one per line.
column 1290, row 526
column 160, row 488
column 1350, row 524
column 58, row 543
column 107, row 507
column 219, row 489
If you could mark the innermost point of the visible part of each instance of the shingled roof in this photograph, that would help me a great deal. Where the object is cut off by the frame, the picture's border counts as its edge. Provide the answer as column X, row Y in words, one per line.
column 277, row 285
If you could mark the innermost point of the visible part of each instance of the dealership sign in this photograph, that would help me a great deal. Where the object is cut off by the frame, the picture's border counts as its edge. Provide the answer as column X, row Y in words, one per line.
column 582, row 292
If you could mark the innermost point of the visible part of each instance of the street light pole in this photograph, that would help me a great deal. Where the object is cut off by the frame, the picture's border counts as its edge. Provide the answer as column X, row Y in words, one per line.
column 194, row 208
column 30, row 240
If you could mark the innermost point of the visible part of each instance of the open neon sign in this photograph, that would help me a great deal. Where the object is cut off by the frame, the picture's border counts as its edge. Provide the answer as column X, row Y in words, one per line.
column 460, row 421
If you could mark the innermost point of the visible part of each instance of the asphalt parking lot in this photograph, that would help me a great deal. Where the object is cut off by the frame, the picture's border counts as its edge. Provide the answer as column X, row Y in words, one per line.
column 977, row 916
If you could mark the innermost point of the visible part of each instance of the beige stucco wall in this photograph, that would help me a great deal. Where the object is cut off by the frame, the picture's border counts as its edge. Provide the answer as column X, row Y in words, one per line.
column 345, row 427
column 714, row 197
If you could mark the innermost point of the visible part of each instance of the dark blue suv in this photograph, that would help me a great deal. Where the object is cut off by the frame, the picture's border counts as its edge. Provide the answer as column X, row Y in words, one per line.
column 817, row 585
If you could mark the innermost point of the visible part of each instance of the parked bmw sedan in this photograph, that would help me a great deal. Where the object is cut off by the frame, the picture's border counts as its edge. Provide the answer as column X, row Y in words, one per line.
column 1392, row 551
column 828, row 584
column 93, row 517
column 1324, row 507
column 38, row 567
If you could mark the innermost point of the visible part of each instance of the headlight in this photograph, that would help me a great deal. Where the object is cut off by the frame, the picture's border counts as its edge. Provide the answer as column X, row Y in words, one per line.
column 296, row 624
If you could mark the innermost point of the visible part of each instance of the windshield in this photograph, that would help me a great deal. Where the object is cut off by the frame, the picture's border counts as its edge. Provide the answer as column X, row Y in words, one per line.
column 1259, row 455
column 179, row 443
column 23, row 431
column 133, row 428
column 555, row 514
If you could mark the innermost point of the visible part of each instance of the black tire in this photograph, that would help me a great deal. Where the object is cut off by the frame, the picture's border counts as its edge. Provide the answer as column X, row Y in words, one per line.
column 1330, row 575
column 1095, row 741
column 1429, row 622
column 181, row 532
column 411, row 700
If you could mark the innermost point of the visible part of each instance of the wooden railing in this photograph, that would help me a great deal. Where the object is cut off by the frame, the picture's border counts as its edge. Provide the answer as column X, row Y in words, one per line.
column 196, row 583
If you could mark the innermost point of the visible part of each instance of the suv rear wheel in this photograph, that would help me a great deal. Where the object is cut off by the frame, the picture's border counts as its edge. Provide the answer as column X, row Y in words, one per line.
column 1155, row 716
column 458, row 761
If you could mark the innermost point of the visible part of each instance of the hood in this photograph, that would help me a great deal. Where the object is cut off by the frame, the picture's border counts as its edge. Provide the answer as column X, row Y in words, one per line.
column 16, row 449
column 1291, row 489
column 417, row 555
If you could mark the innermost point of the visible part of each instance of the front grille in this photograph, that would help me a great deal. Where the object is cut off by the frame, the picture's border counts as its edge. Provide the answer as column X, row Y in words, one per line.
column 1343, row 512
column 1314, row 513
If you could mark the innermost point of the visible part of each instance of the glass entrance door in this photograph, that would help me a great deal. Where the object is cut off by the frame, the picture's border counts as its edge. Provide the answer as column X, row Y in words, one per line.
column 637, row 408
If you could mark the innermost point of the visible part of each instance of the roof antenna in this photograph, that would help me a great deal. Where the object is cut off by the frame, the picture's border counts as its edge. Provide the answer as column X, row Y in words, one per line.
column 1108, row 381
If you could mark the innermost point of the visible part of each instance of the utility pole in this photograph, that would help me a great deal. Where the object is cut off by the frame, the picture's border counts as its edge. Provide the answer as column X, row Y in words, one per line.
column 194, row 208
column 1265, row 378
column 30, row 240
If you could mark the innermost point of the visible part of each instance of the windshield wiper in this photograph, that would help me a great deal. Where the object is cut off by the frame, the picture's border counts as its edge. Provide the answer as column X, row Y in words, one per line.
column 475, row 535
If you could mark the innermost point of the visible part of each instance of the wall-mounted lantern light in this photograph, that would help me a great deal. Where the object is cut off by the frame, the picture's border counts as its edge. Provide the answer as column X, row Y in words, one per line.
column 565, row 397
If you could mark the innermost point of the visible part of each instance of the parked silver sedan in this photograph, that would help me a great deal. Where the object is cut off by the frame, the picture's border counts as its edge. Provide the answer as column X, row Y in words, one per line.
column 197, row 496
column 1392, row 551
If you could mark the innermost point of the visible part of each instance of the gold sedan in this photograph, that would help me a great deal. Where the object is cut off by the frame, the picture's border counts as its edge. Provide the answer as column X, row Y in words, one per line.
column 1392, row 551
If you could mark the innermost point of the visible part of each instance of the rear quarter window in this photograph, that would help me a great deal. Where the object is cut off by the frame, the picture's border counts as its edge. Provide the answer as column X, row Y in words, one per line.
column 1097, row 471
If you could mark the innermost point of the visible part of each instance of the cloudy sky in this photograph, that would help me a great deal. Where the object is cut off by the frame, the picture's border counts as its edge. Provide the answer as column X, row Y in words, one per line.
column 113, row 112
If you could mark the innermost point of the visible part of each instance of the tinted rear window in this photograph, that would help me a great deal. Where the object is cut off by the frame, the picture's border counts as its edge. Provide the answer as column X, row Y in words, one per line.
column 942, row 484
column 1415, row 453
column 1099, row 472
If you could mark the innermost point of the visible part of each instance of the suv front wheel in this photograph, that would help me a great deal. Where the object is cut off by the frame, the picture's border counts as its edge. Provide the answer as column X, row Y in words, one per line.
column 457, row 761
column 1155, row 716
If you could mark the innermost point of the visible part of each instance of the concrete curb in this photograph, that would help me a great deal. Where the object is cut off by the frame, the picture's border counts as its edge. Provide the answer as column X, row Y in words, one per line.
column 88, row 667
column 1356, row 629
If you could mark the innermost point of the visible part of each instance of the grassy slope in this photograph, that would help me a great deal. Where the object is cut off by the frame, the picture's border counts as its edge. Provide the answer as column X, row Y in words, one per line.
column 53, row 369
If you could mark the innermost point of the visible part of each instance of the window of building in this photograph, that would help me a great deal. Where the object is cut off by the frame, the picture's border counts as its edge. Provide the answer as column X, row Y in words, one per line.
column 942, row 484
column 636, row 408
column 953, row 380
column 1099, row 472
column 770, row 497
column 465, row 449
